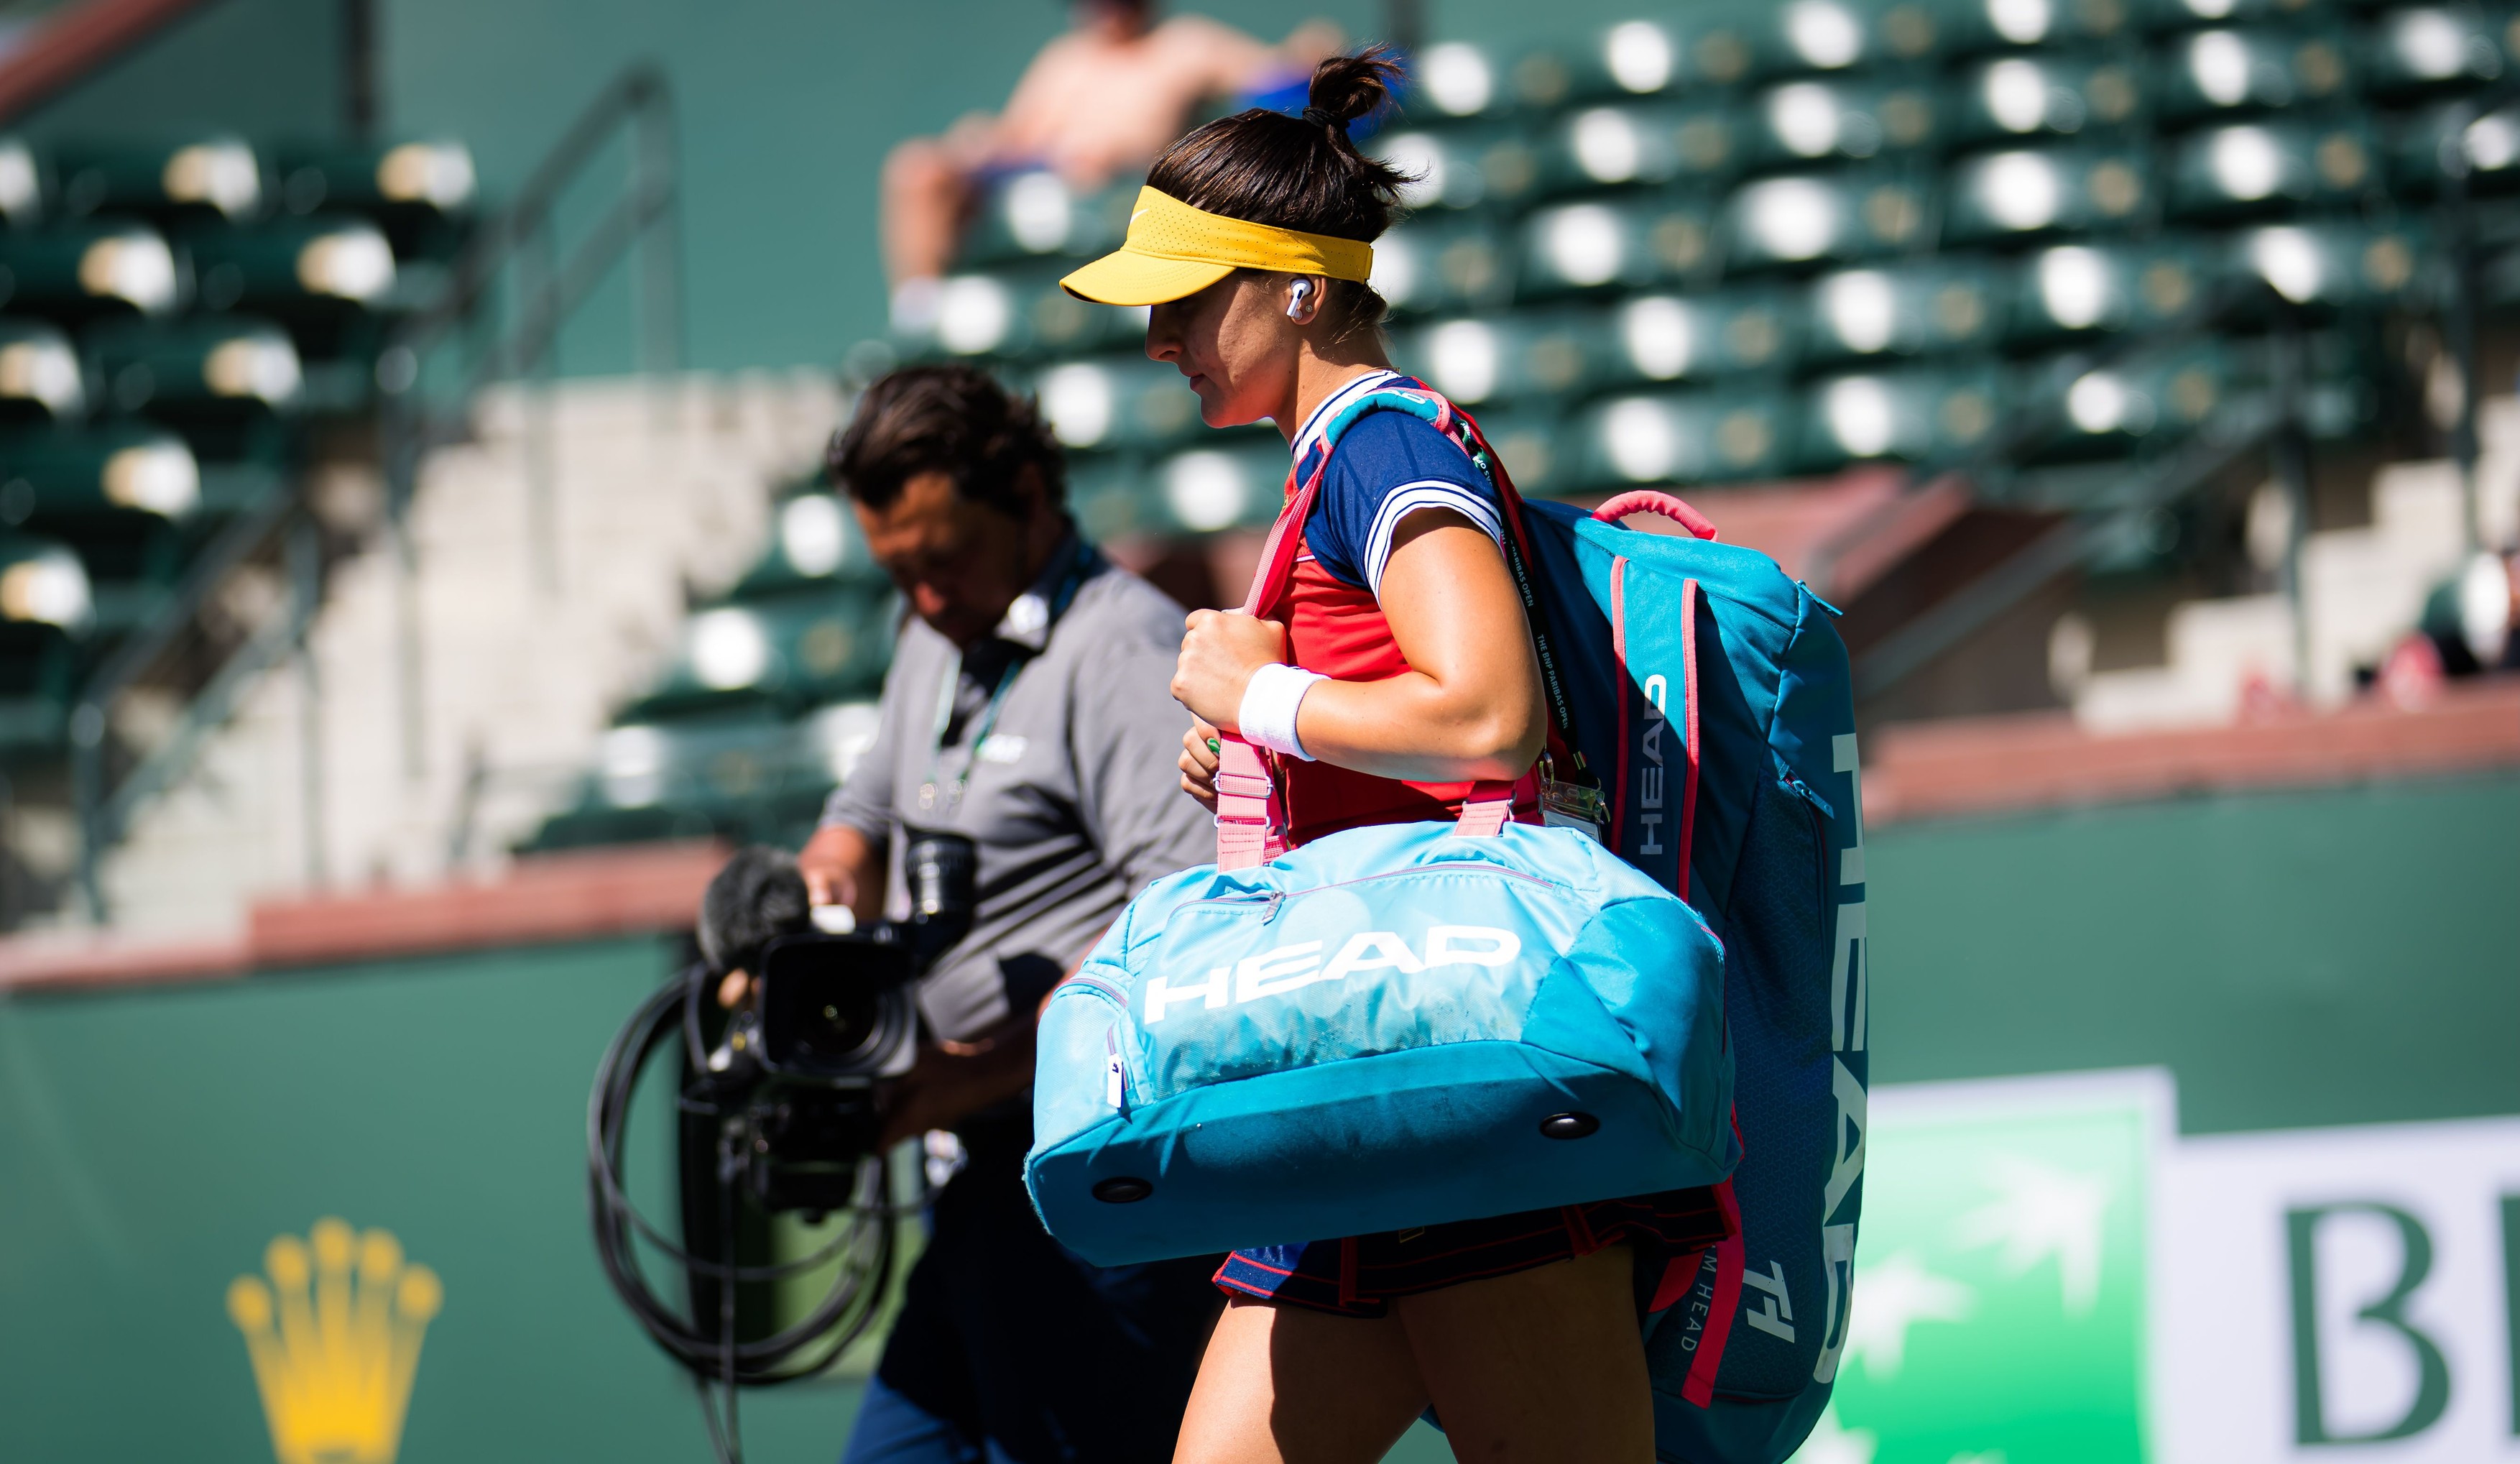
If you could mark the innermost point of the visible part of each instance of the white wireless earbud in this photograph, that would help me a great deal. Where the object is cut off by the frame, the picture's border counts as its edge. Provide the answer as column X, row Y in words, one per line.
column 1296, row 293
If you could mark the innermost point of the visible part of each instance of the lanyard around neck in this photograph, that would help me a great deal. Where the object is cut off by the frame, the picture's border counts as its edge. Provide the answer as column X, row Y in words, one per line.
column 935, row 790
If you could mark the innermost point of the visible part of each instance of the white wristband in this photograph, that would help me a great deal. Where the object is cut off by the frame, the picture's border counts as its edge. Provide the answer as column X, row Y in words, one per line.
column 1269, row 705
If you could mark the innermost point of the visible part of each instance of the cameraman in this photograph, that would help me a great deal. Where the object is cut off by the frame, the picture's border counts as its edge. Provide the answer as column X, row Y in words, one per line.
column 1029, row 708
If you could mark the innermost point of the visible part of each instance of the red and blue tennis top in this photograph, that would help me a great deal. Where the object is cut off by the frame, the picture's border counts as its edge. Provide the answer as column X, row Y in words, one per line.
column 1387, row 465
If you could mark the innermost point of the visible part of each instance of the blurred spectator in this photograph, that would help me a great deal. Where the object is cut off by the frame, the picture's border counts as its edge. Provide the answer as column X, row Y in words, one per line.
column 2470, row 616
column 2470, row 626
column 2411, row 676
column 1097, row 102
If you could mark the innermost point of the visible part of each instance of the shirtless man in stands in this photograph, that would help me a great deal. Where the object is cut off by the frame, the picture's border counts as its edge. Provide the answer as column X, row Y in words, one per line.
column 1102, row 99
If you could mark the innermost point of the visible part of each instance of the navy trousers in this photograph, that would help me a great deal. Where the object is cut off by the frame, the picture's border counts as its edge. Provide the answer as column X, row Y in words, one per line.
column 1011, row 1349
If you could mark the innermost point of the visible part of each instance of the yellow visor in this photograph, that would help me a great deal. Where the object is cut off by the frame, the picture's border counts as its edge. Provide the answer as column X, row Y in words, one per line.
column 1174, row 250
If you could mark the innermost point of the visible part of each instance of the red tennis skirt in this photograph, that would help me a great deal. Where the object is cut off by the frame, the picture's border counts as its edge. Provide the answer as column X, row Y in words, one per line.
column 1361, row 1275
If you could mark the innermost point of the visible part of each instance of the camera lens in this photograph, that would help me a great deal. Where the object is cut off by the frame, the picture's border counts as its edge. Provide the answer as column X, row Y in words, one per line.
column 845, row 1021
column 939, row 869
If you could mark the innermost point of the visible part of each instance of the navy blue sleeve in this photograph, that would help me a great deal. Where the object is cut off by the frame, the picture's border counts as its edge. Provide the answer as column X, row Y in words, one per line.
column 1387, row 465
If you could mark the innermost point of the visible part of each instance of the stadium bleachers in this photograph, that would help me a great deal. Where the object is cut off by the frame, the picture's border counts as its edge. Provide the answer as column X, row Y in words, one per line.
column 1737, row 245
column 176, row 323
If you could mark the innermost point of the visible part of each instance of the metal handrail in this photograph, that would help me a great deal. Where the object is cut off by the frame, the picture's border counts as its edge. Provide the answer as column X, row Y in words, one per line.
column 638, row 99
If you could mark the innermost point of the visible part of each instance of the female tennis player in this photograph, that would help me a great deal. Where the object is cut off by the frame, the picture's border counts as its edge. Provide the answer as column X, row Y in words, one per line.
column 1402, row 673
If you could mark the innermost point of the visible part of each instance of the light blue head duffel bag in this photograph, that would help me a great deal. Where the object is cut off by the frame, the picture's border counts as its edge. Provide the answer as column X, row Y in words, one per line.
column 1393, row 1025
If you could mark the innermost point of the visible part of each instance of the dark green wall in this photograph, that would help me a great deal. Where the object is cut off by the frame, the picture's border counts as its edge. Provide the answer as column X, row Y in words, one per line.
column 267, row 69
column 152, row 1143
column 2341, row 956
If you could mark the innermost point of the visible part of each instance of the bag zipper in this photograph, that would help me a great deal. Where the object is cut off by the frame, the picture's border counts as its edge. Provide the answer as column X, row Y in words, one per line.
column 1116, row 1066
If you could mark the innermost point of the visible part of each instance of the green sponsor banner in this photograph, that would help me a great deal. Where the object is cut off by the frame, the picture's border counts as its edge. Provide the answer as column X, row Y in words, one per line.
column 2000, row 1279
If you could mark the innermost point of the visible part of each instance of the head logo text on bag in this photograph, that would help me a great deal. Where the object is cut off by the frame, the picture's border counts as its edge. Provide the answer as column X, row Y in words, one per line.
column 1277, row 971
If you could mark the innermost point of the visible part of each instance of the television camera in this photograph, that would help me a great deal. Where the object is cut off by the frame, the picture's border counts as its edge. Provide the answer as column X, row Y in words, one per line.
column 780, row 1110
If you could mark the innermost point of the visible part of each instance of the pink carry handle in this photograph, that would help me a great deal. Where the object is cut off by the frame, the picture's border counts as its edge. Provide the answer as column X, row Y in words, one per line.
column 1647, row 501
column 1251, row 818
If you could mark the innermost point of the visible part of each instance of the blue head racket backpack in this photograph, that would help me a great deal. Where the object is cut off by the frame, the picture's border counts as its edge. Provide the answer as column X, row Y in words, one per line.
column 1706, row 696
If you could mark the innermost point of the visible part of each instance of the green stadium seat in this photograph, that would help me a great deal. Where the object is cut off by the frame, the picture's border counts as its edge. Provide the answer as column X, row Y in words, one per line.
column 1908, row 415
column 1712, row 140
column 1487, row 164
column 2042, row 95
column 1113, row 498
column 1529, row 440
column 40, row 380
column 2251, row 167
column 1668, row 56
column 434, row 178
column 2488, row 147
column 1609, row 146
column 1707, row 336
column 199, row 366
column 1947, row 303
column 88, row 267
column 2424, row 49
column 1542, row 76
column 126, row 499
column 2107, row 286
column 1117, row 402
column 44, row 590
column 1038, row 212
column 2332, row 261
column 25, row 186
column 292, row 266
column 1678, row 437
column 814, row 543
column 1021, row 314
column 1968, row 27
column 2025, row 192
column 742, row 777
column 1515, row 357
column 1815, row 218
column 791, row 650
column 223, row 177
column 1840, row 120
column 1607, row 246
column 421, row 193
column 1446, row 165
column 2159, row 17
column 2229, row 71
column 1441, row 264
column 1459, row 80
column 69, row 475
column 1237, row 484
column 1803, row 36
column 2161, row 395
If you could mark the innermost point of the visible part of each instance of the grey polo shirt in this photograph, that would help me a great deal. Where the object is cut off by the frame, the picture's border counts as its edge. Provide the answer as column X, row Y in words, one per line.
column 1073, row 799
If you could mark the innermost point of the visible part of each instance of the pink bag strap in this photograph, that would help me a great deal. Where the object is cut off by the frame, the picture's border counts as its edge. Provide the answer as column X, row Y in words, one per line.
column 1486, row 809
column 1647, row 501
column 1250, row 817
column 1277, row 567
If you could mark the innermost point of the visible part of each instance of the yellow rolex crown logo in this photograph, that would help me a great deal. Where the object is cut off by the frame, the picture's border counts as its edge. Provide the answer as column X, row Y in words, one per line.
column 335, row 1336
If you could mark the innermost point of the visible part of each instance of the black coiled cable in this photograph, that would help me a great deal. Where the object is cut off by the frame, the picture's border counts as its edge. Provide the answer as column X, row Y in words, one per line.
column 862, row 1248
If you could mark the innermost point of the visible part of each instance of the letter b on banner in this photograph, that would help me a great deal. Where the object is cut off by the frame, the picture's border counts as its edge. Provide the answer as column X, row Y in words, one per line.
column 2414, row 1262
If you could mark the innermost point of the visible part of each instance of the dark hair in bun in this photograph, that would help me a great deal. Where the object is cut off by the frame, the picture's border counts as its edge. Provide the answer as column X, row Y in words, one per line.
column 1300, row 172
